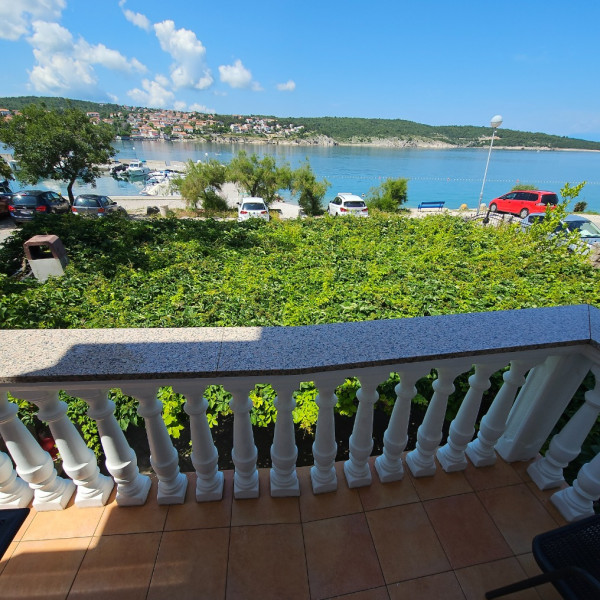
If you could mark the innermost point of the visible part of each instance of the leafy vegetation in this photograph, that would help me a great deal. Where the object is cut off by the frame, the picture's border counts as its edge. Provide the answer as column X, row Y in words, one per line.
column 389, row 196
column 202, row 183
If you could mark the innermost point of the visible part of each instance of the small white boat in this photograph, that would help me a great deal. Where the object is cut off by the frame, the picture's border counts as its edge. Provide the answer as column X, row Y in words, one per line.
column 137, row 168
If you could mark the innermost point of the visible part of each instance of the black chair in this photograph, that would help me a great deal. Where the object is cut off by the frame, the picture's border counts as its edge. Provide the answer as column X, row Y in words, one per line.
column 11, row 520
column 569, row 558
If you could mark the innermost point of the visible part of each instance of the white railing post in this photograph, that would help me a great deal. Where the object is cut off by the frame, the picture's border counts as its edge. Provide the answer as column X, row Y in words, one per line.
column 164, row 459
column 34, row 465
column 481, row 450
column 79, row 461
column 284, row 452
column 121, row 461
column 577, row 501
column 451, row 456
column 322, row 474
column 566, row 445
column 14, row 492
column 421, row 461
column 244, row 452
column 389, row 464
column 205, row 458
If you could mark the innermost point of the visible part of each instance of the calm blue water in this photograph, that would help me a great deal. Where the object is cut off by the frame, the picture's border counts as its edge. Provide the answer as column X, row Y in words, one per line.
column 454, row 176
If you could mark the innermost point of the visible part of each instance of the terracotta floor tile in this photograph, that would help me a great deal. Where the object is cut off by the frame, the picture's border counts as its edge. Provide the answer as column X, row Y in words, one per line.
column 42, row 569
column 546, row 591
column 117, row 566
column 200, row 515
column 406, row 543
column 340, row 556
column 344, row 501
column 517, row 514
column 466, row 531
column 191, row 565
column 265, row 509
column 7, row 554
column 520, row 467
column 266, row 563
column 441, row 484
column 478, row 579
column 544, row 496
column 19, row 535
column 379, row 593
column 443, row 586
column 498, row 475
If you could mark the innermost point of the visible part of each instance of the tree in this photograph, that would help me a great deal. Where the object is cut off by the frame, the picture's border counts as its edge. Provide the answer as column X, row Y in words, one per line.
column 5, row 170
column 62, row 145
column 522, row 186
column 390, row 195
column 310, row 191
column 259, row 178
column 202, row 183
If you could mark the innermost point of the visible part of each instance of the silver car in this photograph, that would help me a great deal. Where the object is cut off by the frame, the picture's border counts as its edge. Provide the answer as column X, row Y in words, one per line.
column 253, row 208
column 94, row 205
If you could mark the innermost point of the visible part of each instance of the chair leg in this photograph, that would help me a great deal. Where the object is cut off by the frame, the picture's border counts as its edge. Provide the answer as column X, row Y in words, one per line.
column 521, row 585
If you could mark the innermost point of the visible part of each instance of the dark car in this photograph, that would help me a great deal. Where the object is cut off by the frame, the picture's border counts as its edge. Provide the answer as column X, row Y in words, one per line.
column 5, row 196
column 94, row 205
column 27, row 204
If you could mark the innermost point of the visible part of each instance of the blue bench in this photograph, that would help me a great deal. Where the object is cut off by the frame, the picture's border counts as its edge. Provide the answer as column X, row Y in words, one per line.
column 424, row 205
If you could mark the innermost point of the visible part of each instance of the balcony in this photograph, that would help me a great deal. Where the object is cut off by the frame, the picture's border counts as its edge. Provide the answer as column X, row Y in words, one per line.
column 437, row 521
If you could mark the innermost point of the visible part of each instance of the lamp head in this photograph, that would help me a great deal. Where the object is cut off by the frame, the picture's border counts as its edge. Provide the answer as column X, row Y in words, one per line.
column 496, row 121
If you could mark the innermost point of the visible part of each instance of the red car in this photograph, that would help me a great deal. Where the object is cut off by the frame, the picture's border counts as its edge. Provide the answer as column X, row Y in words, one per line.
column 524, row 202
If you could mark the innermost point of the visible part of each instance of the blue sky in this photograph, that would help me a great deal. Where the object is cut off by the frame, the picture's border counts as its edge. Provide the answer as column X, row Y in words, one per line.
column 437, row 62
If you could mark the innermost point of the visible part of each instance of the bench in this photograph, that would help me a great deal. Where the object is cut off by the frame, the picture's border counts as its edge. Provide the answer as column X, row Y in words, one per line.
column 424, row 205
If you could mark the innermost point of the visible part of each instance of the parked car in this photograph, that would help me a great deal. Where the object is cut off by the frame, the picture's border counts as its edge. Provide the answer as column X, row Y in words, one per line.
column 589, row 232
column 5, row 196
column 524, row 202
column 253, row 208
column 94, row 205
column 348, row 204
column 26, row 204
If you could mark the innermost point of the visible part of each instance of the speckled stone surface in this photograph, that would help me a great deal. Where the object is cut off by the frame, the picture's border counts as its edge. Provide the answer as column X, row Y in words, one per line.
column 28, row 356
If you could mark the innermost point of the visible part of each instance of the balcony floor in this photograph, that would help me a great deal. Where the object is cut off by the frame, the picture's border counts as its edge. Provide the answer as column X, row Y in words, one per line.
column 450, row 536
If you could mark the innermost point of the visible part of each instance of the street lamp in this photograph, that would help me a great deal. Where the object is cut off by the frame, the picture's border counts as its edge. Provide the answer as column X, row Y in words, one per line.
column 495, row 123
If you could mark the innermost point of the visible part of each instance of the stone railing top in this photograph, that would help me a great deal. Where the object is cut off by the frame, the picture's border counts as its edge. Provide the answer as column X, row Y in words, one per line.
column 71, row 355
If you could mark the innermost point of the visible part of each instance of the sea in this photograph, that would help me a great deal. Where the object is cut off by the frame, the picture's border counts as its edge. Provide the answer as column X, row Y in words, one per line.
column 455, row 176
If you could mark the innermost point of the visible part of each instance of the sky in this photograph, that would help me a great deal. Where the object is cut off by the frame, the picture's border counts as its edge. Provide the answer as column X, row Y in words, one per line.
column 437, row 62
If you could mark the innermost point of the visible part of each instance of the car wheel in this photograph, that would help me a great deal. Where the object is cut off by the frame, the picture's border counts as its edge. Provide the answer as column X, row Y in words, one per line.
column 524, row 212
column 493, row 207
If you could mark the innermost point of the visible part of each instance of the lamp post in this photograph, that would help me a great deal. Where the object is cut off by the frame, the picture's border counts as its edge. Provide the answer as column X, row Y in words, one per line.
column 495, row 123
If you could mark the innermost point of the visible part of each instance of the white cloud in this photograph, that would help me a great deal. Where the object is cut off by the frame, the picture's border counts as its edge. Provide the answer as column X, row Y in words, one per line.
column 138, row 19
column 179, row 105
column 153, row 95
column 288, row 86
column 16, row 15
column 195, row 107
column 237, row 76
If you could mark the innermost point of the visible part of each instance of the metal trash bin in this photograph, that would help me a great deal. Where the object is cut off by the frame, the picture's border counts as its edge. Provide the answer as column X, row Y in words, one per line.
column 46, row 256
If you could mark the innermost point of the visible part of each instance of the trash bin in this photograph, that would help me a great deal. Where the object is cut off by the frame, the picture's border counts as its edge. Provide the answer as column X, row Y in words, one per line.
column 46, row 256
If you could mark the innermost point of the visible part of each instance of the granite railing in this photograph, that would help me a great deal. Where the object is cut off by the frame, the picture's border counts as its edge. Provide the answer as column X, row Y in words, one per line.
column 548, row 353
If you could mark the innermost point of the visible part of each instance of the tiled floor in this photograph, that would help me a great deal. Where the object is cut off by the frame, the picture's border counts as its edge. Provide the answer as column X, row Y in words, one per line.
column 451, row 536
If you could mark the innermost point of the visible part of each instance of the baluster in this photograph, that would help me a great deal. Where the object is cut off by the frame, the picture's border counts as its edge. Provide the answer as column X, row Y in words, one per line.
column 452, row 455
column 244, row 452
column 14, row 492
column 121, row 461
column 34, row 465
column 163, row 457
column 322, row 474
column 284, row 480
column 79, row 461
column 389, row 464
column 356, row 468
column 205, row 458
column 481, row 451
column 577, row 501
column 421, row 460
column 566, row 445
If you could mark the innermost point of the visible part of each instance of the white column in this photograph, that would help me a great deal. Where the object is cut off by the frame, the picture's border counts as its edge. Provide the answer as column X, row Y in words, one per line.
column 322, row 473
column 205, row 458
column 421, row 461
column 79, row 461
column 356, row 468
column 163, row 457
column 577, row 501
column 121, row 461
column 566, row 445
column 462, row 429
column 284, row 480
column 14, row 492
column 33, row 464
column 244, row 452
column 389, row 464
column 481, row 451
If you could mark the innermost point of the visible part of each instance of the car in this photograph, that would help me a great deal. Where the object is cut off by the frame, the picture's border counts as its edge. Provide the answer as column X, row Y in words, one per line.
column 524, row 202
column 253, row 208
column 5, row 196
column 588, row 232
column 95, row 205
column 348, row 204
column 26, row 204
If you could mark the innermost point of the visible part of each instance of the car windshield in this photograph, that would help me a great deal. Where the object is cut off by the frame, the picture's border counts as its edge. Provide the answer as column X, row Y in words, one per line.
column 86, row 201
column 253, row 206
column 354, row 204
column 585, row 228
column 550, row 199
column 24, row 199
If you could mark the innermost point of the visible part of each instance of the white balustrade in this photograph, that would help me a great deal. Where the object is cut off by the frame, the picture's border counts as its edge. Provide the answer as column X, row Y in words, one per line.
column 452, row 456
column 34, row 465
column 14, row 492
column 244, row 452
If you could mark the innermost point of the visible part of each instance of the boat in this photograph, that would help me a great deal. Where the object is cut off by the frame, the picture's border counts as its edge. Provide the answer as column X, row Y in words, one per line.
column 137, row 168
